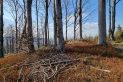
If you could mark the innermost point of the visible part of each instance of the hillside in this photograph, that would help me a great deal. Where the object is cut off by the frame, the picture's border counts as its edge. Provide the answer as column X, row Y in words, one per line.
column 83, row 61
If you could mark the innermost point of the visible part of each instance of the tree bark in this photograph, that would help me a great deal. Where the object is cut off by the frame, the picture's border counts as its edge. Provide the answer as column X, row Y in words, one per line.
column 66, row 16
column 109, row 19
column 16, row 24
column 59, row 25
column 75, row 19
column 46, row 22
column 74, row 25
column 23, row 41
column 113, row 18
column 102, row 21
column 80, row 17
column 1, row 29
column 38, row 42
column 29, row 26
column 55, row 27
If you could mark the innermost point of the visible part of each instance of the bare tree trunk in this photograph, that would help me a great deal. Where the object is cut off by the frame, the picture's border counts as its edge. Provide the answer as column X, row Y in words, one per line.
column 12, row 43
column 66, row 27
column 43, row 38
column 102, row 22
column 38, row 43
column 55, row 27
column 7, row 45
column 66, row 17
column 19, row 38
column 14, row 7
column 59, row 25
column 46, row 21
column 48, row 37
column 23, row 42
column 80, row 18
column 75, row 19
column 1, row 29
column 113, row 18
column 29, row 26
column 74, row 26
column 109, row 19
column 16, row 26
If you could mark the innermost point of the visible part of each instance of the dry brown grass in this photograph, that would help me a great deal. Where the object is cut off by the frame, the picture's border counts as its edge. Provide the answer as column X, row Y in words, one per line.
column 81, row 72
column 9, row 65
column 89, row 47
column 11, row 59
column 100, row 57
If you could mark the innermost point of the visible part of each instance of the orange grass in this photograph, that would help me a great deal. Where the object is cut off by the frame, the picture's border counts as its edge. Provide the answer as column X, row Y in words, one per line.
column 105, row 59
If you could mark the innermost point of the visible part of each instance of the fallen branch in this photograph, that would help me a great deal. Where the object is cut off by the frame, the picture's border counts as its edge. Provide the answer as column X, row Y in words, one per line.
column 61, row 62
column 54, row 63
column 108, row 71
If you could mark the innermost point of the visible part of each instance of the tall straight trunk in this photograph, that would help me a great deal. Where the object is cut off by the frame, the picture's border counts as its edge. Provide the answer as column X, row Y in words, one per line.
column 66, row 20
column 38, row 42
column 46, row 22
column 7, row 45
column 75, row 19
column 1, row 29
column 113, row 18
column 80, row 18
column 23, row 41
column 102, row 21
column 43, row 38
column 10, row 46
column 16, row 26
column 74, row 26
column 29, row 26
column 109, row 19
column 55, row 27
column 19, row 38
column 59, row 25
column 48, row 38
column 12, row 43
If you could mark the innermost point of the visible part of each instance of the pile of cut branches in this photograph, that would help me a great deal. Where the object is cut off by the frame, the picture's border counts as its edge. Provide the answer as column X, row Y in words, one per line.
column 40, row 70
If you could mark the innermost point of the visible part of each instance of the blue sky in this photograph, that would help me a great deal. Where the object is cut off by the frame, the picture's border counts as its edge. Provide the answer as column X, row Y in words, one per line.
column 89, row 29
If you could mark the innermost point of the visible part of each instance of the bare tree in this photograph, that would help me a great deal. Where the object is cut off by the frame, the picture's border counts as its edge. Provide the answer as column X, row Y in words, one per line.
column 14, row 11
column 29, row 26
column 67, row 14
column 80, row 7
column 1, row 29
column 109, row 19
column 80, row 17
column 60, row 39
column 37, row 20
column 102, row 21
column 12, row 39
column 55, row 26
column 114, row 3
column 75, row 17
column 46, row 21
column 24, row 35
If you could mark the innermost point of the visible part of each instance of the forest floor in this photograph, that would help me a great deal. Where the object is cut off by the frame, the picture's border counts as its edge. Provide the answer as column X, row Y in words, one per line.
column 83, row 61
column 119, row 47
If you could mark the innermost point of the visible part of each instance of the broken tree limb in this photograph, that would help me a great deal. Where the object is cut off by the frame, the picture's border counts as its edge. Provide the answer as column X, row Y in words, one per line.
column 54, row 63
column 103, row 70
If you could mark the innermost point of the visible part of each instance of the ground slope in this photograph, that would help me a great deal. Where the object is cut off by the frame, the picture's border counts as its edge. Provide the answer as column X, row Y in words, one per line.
column 96, row 64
